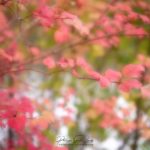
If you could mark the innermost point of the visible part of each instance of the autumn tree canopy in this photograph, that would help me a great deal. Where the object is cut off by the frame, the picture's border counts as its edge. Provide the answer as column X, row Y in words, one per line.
column 79, row 64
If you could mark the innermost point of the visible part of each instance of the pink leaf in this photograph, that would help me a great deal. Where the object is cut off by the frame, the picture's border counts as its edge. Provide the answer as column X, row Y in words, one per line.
column 133, row 71
column 60, row 148
column 75, row 73
column 146, row 91
column 95, row 75
column 113, row 76
column 145, row 19
column 81, row 62
column 75, row 22
column 66, row 62
column 46, row 15
column 35, row 51
column 104, row 82
column 128, row 85
column 62, row 35
column 49, row 62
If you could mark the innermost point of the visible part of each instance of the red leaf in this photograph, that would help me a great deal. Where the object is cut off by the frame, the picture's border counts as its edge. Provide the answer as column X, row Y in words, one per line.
column 26, row 106
column 17, row 123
